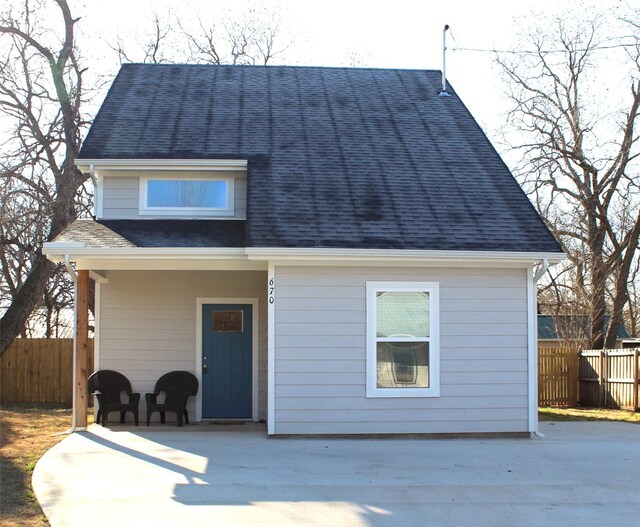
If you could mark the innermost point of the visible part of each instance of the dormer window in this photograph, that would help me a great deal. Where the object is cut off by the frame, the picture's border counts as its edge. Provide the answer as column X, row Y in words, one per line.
column 189, row 196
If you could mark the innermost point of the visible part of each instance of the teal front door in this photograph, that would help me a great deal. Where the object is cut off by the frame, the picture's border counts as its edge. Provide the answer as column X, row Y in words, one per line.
column 226, row 361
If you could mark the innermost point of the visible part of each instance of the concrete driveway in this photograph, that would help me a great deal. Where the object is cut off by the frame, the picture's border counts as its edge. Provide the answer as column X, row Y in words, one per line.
column 580, row 474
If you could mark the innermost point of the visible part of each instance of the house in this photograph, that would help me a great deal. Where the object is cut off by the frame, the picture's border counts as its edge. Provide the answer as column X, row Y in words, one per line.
column 556, row 331
column 330, row 250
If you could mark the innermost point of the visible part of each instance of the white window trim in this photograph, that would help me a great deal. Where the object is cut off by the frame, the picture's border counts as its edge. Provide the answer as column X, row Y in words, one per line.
column 144, row 210
column 433, row 289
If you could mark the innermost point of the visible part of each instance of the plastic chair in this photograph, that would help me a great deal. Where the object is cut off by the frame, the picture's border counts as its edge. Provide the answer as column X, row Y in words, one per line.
column 177, row 386
column 107, row 386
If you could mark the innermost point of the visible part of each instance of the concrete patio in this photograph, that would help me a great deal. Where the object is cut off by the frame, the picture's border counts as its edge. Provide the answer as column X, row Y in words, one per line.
column 580, row 474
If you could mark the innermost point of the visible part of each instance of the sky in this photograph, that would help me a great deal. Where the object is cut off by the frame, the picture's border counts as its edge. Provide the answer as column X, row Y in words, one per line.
column 371, row 33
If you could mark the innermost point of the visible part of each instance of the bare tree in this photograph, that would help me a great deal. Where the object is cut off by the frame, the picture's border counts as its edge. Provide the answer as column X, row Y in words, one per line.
column 579, row 163
column 156, row 47
column 41, row 95
column 633, row 307
column 253, row 38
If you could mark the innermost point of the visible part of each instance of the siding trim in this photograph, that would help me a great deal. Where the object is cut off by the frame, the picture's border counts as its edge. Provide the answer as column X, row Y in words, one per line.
column 532, row 352
column 271, row 350
column 99, row 198
column 255, row 303
column 96, row 329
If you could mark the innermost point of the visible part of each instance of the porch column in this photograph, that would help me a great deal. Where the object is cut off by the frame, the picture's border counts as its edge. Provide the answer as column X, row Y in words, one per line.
column 82, row 341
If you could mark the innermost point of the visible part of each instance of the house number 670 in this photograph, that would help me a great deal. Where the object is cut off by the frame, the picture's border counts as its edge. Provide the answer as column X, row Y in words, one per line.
column 272, row 291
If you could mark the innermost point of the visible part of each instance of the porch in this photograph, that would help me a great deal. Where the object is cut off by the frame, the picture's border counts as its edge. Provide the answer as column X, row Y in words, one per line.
column 149, row 322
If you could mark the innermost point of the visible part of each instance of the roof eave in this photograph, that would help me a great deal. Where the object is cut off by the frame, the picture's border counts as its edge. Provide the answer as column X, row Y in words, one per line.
column 88, row 165
column 310, row 254
column 56, row 251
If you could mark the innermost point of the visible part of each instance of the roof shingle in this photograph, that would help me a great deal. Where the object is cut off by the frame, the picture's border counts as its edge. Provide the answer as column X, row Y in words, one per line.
column 337, row 157
column 155, row 233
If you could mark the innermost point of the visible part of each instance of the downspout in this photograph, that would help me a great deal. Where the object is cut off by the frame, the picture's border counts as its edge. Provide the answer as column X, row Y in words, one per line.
column 94, row 180
column 74, row 277
column 543, row 269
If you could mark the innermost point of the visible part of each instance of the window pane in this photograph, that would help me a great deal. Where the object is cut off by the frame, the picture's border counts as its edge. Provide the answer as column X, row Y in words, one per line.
column 228, row 321
column 402, row 314
column 191, row 194
column 402, row 365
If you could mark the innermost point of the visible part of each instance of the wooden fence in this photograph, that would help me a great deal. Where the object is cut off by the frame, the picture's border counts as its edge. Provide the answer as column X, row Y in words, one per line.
column 609, row 378
column 39, row 371
column 597, row 378
column 557, row 377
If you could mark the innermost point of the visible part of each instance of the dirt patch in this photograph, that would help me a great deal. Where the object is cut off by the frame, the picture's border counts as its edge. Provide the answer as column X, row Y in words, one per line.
column 587, row 414
column 26, row 433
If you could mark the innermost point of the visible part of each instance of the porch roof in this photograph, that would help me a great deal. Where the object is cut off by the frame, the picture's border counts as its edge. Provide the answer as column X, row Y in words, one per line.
column 155, row 233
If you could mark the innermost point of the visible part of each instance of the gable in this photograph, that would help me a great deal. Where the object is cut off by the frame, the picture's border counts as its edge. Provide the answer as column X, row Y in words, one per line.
column 336, row 157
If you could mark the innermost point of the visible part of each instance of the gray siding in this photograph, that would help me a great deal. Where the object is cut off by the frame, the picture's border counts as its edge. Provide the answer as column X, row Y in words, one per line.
column 120, row 198
column 148, row 322
column 320, row 348
column 121, row 194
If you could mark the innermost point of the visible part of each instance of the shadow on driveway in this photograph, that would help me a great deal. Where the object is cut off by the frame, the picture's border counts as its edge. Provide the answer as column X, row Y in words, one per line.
column 582, row 473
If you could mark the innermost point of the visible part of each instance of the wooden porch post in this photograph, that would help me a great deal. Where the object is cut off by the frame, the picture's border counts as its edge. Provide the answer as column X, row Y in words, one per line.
column 82, row 341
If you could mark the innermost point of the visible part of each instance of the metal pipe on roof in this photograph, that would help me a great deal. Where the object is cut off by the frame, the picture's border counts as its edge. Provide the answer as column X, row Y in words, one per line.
column 444, row 92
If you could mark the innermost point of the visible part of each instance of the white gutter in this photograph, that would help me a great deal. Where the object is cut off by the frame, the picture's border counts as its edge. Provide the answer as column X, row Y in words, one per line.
column 533, row 355
column 162, row 164
column 94, row 180
column 541, row 271
column 285, row 254
column 292, row 253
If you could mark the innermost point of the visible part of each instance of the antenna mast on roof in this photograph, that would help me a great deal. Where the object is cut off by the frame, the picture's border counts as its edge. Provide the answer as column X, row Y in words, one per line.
column 444, row 92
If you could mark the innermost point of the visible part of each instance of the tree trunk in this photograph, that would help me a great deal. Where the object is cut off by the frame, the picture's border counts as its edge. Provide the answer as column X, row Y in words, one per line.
column 598, row 278
column 24, row 302
column 621, row 291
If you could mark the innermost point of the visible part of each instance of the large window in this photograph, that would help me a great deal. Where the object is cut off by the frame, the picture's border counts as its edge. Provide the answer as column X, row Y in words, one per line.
column 186, row 197
column 403, row 339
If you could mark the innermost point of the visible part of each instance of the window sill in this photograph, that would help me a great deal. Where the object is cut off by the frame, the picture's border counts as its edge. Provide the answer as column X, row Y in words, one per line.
column 387, row 393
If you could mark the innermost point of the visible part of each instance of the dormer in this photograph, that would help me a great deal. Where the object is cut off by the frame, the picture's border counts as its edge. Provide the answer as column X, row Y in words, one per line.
column 168, row 188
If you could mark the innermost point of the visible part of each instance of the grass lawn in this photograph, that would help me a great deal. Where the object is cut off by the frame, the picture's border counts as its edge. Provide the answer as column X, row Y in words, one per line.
column 587, row 414
column 26, row 433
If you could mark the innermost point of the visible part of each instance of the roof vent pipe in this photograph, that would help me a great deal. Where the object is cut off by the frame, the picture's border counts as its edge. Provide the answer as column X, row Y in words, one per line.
column 444, row 92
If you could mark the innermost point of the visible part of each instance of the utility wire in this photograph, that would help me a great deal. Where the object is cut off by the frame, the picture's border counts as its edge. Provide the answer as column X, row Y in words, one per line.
column 545, row 51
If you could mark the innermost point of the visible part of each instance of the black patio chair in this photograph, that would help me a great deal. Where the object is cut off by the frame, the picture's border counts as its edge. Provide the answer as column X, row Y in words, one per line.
column 177, row 386
column 108, row 386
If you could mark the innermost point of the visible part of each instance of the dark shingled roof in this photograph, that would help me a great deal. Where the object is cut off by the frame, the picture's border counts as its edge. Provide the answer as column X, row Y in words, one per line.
column 337, row 157
column 155, row 233
column 572, row 327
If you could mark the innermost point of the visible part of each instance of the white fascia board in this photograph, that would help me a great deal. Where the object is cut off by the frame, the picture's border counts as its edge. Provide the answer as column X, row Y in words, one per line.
column 61, row 246
column 285, row 254
column 161, row 164
column 55, row 251
column 296, row 256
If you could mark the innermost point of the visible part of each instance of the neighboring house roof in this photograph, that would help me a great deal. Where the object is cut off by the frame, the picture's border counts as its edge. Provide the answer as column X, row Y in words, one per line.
column 571, row 327
column 155, row 233
column 337, row 157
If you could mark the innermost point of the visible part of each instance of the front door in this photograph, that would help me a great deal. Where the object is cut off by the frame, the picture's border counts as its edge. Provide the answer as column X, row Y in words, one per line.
column 226, row 361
